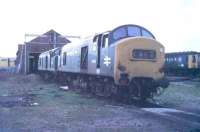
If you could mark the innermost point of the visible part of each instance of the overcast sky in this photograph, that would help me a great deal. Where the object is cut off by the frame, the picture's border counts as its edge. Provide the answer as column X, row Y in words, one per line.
column 175, row 23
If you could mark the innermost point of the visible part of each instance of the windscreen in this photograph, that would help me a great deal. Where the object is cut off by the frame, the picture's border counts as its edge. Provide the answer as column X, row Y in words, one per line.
column 129, row 31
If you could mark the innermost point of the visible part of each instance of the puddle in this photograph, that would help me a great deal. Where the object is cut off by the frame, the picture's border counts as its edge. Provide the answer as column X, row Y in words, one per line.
column 182, row 84
column 165, row 111
column 175, row 113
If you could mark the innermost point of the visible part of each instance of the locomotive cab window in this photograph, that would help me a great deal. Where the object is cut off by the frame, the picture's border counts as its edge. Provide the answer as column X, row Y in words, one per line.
column 105, row 41
column 95, row 39
column 144, row 54
column 98, row 41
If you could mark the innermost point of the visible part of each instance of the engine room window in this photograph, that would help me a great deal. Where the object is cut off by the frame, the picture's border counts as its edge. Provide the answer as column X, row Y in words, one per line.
column 50, row 60
column 40, row 62
column 64, row 58
column 144, row 54
column 84, row 57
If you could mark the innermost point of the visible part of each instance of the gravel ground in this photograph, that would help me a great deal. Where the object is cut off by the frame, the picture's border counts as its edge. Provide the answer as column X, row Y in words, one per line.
column 27, row 104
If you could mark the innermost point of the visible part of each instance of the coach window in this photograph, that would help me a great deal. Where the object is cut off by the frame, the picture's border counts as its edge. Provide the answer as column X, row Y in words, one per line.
column 105, row 41
column 134, row 31
column 64, row 58
column 46, row 62
column 180, row 59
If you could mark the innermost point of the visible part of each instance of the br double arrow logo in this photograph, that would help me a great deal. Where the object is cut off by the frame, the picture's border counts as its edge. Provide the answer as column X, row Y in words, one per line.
column 107, row 60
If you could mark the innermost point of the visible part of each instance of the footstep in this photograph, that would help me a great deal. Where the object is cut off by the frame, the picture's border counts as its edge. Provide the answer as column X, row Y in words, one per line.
column 64, row 87
column 34, row 104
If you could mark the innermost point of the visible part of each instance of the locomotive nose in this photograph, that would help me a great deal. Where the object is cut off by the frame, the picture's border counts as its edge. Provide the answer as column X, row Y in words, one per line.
column 139, row 57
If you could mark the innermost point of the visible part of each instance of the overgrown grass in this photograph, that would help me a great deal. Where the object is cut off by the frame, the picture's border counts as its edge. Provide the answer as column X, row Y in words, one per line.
column 181, row 94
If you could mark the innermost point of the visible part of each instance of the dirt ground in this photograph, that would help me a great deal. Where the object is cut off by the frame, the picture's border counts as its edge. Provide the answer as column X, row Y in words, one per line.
column 28, row 104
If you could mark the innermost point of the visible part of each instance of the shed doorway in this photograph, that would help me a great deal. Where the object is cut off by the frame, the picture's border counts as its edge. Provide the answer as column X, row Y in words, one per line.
column 33, row 62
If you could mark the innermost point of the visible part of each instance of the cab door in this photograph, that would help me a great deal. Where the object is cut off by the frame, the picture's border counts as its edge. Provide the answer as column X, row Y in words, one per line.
column 95, row 55
column 106, row 56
